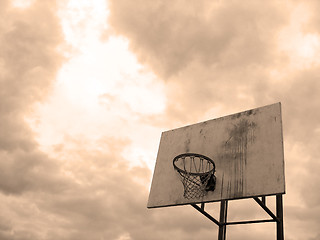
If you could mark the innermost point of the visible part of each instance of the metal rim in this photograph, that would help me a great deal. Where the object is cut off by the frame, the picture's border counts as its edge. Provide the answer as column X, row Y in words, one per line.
column 193, row 155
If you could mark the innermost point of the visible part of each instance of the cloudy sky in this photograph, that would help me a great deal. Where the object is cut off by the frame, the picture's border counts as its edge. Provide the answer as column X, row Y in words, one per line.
column 87, row 87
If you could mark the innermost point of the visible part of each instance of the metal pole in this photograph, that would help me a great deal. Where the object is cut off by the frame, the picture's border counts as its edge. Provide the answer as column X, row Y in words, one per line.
column 223, row 220
column 279, row 210
column 202, row 206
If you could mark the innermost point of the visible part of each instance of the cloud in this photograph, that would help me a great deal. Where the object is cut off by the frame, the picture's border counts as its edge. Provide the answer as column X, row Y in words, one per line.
column 213, row 57
column 29, row 61
column 170, row 37
column 209, row 53
column 313, row 24
column 218, row 58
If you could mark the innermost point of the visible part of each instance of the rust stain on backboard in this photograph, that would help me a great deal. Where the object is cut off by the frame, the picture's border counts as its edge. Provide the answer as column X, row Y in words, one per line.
column 245, row 113
column 187, row 145
column 234, row 154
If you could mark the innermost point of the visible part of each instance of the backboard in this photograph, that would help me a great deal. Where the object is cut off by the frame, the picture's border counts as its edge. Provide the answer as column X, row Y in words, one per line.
column 245, row 151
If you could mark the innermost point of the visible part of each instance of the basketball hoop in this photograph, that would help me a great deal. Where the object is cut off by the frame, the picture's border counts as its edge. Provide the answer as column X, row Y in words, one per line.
column 197, row 174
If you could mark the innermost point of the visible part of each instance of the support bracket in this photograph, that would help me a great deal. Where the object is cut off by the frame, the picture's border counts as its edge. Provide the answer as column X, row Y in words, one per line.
column 278, row 218
column 266, row 209
column 248, row 222
column 201, row 209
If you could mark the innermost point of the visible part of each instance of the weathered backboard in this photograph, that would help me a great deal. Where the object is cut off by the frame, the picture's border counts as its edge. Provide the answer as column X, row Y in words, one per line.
column 247, row 151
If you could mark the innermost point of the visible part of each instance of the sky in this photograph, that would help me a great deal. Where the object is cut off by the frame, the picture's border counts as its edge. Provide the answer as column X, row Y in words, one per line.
column 87, row 87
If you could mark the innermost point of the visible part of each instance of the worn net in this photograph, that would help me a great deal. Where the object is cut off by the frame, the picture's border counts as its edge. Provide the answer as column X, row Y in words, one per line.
column 195, row 171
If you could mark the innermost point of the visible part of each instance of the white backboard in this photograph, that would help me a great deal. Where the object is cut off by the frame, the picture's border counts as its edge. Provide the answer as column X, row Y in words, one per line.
column 247, row 150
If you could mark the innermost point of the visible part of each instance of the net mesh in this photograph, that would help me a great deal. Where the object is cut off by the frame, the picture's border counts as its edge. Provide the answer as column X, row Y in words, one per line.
column 195, row 171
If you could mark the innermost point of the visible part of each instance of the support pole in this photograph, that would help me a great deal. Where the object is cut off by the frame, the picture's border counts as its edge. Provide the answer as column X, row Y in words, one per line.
column 222, row 223
column 223, row 220
column 279, row 210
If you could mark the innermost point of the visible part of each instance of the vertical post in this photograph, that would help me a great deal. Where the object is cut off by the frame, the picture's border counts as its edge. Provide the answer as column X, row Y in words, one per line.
column 223, row 219
column 279, row 210
column 263, row 199
column 202, row 206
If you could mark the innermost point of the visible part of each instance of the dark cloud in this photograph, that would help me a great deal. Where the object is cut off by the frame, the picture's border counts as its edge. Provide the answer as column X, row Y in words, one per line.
column 29, row 61
column 25, row 171
column 170, row 37
column 212, row 53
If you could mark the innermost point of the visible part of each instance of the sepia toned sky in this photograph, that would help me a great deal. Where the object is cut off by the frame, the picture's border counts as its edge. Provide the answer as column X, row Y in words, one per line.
column 87, row 87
